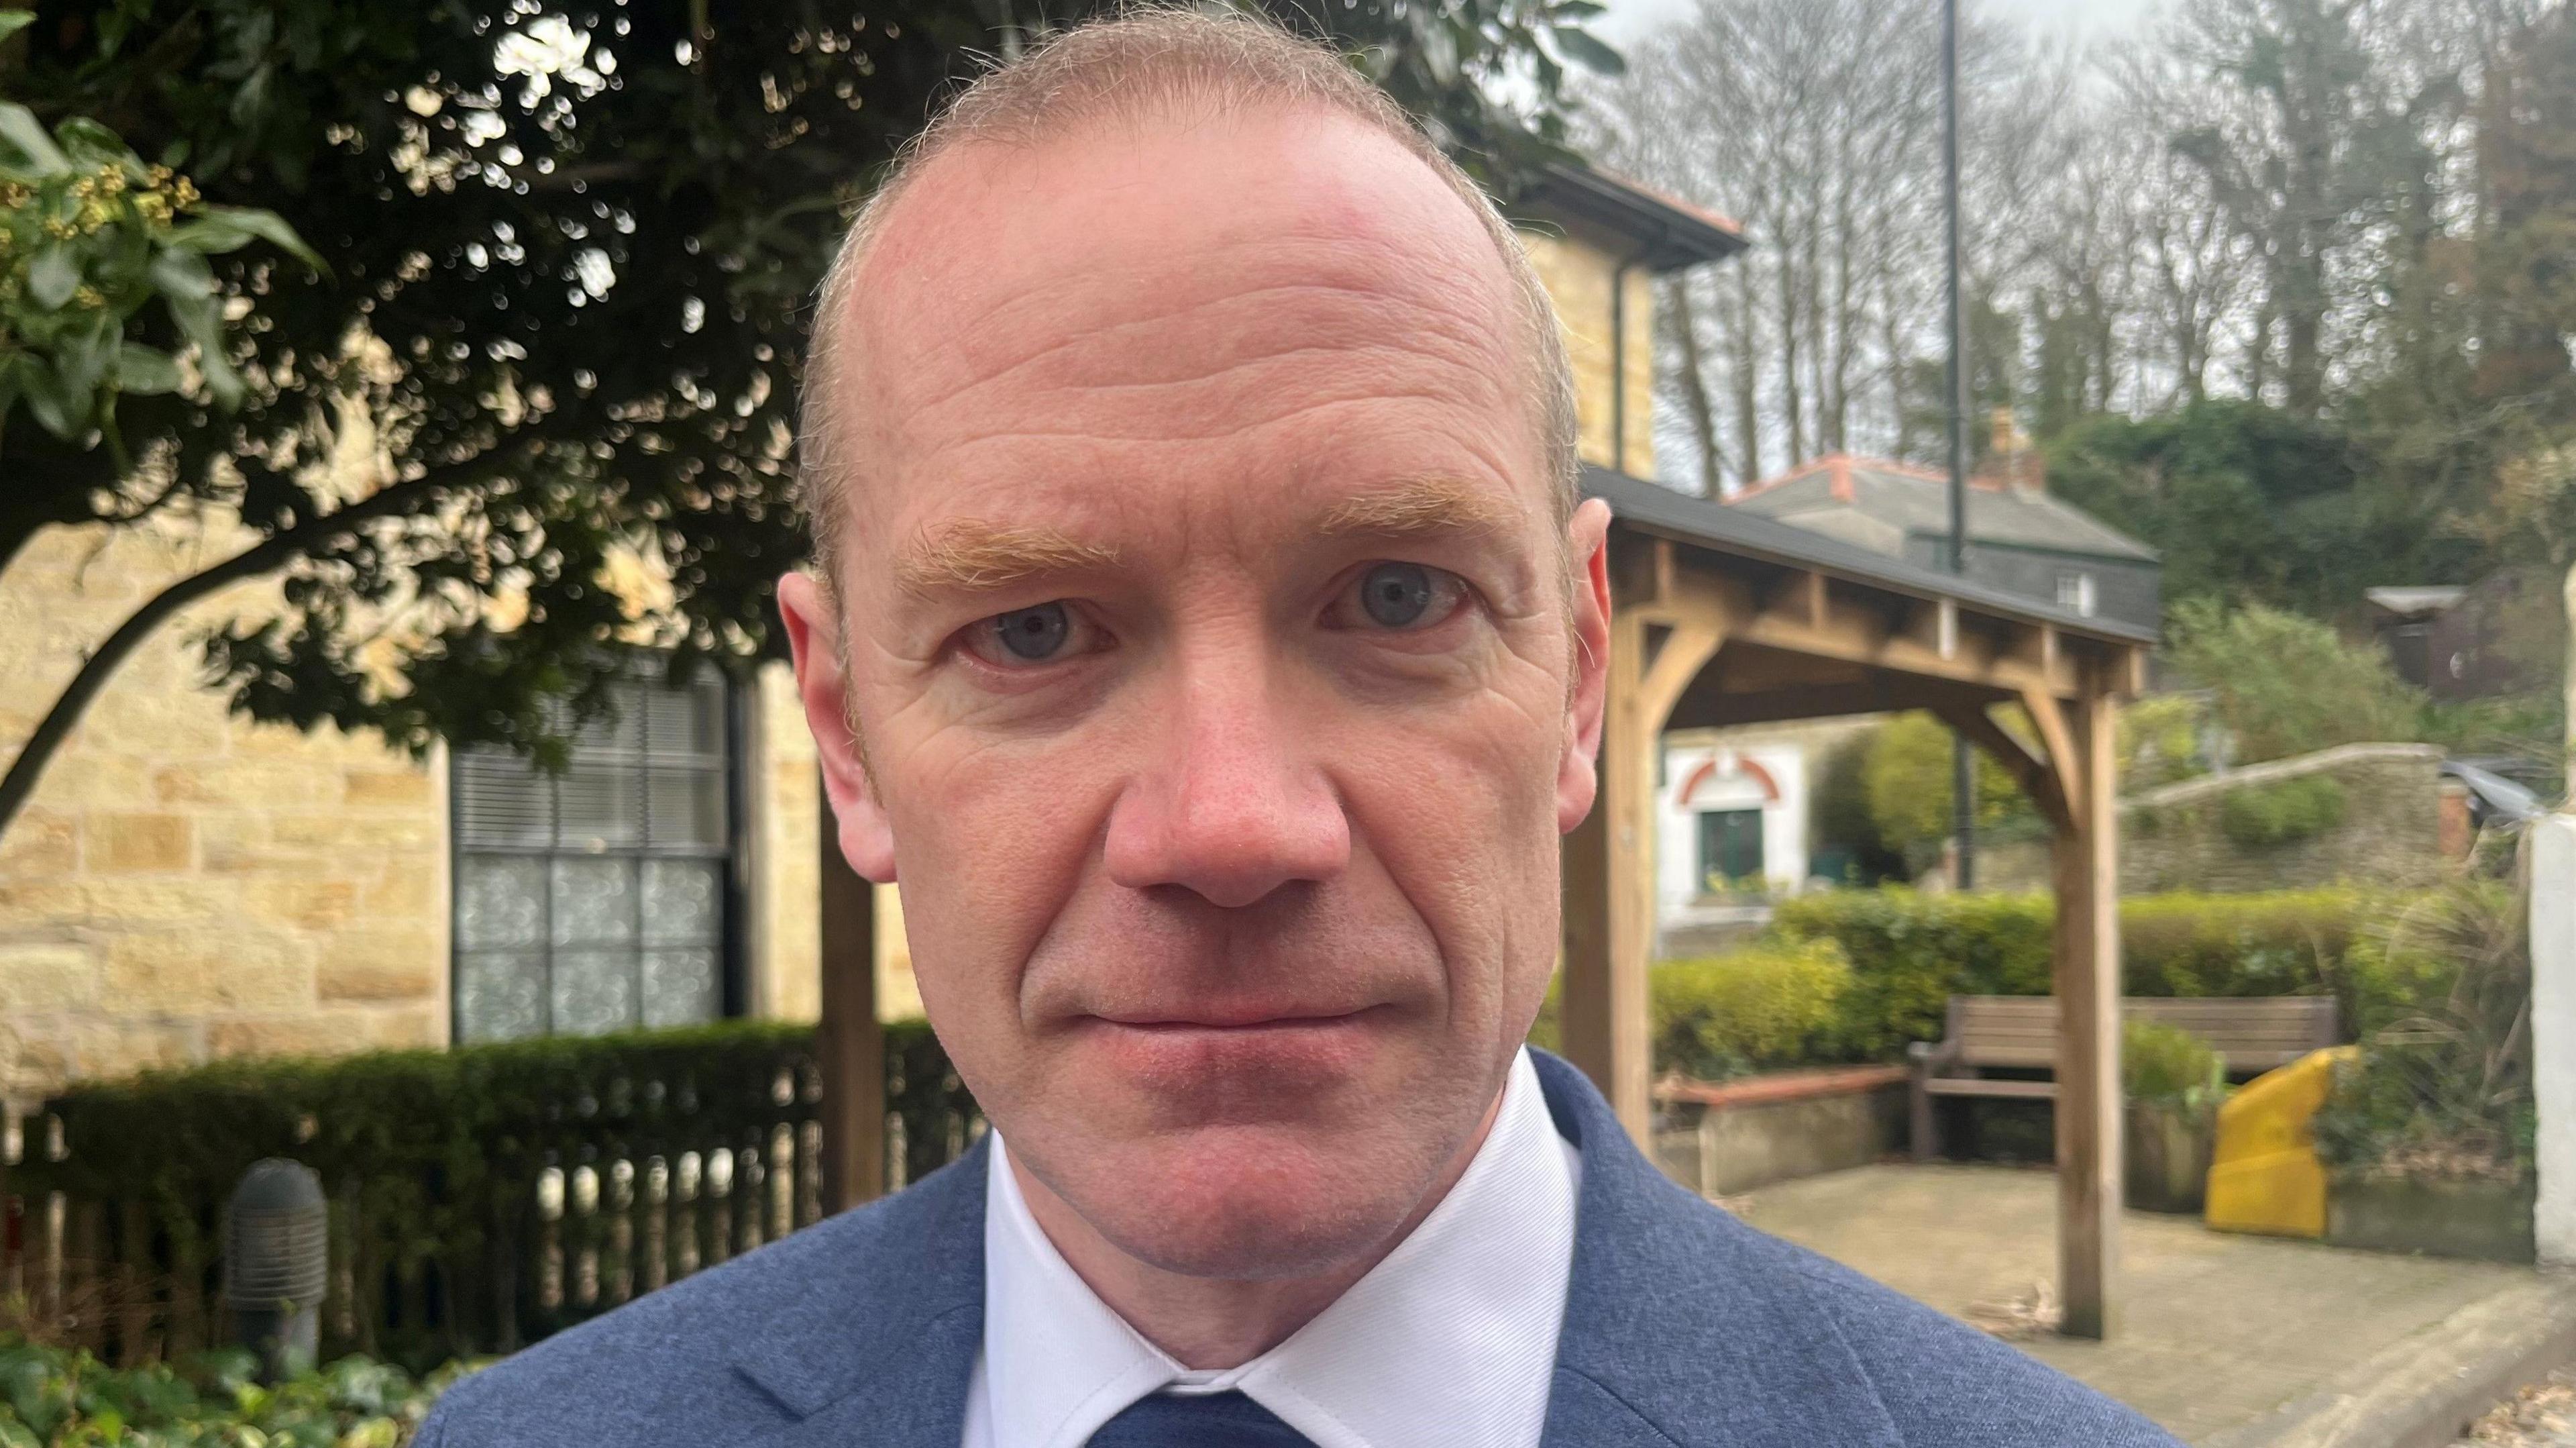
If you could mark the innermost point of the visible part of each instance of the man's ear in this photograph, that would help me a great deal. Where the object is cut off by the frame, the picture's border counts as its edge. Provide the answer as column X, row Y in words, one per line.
column 1587, row 552
column 813, row 638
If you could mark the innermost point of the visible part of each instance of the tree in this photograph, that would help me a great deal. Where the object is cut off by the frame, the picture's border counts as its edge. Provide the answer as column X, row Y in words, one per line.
column 571, row 254
column 2287, row 685
column 2308, row 157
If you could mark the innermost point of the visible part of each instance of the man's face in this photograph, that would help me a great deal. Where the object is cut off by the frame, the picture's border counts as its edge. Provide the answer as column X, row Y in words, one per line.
column 1208, row 641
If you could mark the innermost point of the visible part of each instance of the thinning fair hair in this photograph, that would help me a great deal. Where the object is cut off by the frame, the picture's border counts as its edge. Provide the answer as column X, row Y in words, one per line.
column 1145, row 66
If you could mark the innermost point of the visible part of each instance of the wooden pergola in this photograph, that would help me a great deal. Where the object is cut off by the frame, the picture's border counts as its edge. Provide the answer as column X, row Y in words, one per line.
column 1720, row 617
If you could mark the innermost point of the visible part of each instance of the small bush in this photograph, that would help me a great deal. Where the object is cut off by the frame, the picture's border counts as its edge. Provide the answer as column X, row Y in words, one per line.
column 2170, row 1068
column 2289, row 810
column 1759, row 1008
column 2443, row 1084
column 56, row 1398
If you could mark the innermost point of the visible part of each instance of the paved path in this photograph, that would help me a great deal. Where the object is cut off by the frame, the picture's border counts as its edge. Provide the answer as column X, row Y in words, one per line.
column 2217, row 1330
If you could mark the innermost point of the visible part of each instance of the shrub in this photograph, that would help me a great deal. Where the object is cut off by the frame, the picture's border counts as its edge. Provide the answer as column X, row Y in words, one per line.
column 2170, row 1068
column 1910, row 952
column 2286, row 684
column 52, row 1396
column 2443, row 1085
column 1759, row 1008
column 2282, row 812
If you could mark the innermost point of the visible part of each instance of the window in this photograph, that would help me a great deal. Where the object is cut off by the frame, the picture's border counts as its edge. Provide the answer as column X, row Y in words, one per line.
column 2075, row 591
column 595, row 899
column 1730, row 846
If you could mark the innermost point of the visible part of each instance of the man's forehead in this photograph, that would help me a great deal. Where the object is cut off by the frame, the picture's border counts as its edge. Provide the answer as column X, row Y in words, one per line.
column 990, row 242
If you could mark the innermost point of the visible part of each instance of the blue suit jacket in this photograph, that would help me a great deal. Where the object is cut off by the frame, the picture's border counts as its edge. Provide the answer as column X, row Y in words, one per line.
column 1684, row 1328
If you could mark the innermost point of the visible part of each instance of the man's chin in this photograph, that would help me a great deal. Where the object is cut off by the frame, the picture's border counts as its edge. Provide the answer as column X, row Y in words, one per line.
column 1247, row 1202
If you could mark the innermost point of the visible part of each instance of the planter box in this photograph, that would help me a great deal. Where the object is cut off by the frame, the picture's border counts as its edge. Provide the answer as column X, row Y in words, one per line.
column 2486, row 1221
column 1766, row 1129
column 2168, row 1159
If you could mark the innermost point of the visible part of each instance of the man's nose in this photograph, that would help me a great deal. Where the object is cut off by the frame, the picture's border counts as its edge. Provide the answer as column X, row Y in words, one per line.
column 1225, row 804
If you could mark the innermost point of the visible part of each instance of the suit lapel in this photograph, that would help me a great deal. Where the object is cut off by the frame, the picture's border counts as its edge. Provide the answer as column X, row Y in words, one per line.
column 1684, row 1328
column 878, row 1350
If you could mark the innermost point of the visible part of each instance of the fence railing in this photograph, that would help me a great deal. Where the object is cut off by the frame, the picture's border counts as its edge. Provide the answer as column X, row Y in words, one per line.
column 480, row 1198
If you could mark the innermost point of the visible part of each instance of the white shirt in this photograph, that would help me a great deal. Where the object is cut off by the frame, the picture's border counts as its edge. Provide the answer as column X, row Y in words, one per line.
column 1450, row 1340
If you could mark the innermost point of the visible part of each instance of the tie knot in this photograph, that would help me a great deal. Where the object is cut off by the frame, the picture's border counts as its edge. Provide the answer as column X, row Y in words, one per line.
column 1197, row 1420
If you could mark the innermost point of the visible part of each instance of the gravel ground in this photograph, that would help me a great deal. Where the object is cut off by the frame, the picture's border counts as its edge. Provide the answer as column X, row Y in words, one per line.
column 2540, row 1416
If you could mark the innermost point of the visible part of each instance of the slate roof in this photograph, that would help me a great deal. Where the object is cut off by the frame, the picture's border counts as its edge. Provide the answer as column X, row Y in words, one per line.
column 1720, row 528
column 1874, row 503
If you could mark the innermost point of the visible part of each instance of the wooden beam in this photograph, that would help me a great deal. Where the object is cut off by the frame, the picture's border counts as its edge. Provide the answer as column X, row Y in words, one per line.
column 1608, row 865
column 849, row 1043
column 2057, row 743
column 2087, row 978
column 2028, row 770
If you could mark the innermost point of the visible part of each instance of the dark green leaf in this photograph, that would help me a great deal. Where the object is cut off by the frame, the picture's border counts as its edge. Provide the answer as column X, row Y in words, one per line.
column 211, row 237
column 89, row 143
column 83, row 357
column 182, row 276
column 53, row 277
column 13, row 21
column 1581, row 48
column 268, row 226
column 20, row 128
column 143, row 371
column 51, row 403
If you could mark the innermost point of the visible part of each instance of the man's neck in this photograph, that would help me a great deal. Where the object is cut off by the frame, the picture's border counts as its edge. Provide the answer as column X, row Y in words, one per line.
column 1213, row 1323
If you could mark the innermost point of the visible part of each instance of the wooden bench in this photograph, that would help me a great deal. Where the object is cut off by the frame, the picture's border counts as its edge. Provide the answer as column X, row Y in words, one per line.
column 2251, row 1035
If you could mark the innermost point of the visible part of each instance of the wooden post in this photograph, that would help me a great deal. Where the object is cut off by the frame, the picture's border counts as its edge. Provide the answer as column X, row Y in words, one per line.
column 1602, row 1009
column 849, row 1043
column 2088, row 998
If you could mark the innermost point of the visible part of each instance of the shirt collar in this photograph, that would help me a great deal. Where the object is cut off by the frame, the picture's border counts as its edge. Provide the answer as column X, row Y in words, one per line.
column 1450, row 1339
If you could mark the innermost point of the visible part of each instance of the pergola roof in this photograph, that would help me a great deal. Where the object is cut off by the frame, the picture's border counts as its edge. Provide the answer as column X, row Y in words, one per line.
column 1652, row 508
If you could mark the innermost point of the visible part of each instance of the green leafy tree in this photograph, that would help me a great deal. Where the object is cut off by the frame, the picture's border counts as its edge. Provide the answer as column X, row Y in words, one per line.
column 1910, row 792
column 2285, row 685
column 572, row 251
column 2249, row 504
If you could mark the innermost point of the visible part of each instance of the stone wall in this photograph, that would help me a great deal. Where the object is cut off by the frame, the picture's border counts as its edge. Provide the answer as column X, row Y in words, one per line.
column 787, row 819
column 185, row 885
column 1577, row 272
column 2172, row 838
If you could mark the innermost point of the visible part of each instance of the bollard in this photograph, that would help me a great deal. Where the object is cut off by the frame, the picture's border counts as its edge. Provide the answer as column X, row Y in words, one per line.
column 277, row 1244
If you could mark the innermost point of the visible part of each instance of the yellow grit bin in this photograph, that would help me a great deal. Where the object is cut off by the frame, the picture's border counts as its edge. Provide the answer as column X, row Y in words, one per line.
column 2265, row 1176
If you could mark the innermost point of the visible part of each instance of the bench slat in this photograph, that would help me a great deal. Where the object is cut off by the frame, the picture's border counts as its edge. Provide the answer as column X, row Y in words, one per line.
column 1972, row 1086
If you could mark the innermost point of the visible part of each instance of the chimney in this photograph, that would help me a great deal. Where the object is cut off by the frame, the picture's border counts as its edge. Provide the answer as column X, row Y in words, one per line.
column 2012, row 461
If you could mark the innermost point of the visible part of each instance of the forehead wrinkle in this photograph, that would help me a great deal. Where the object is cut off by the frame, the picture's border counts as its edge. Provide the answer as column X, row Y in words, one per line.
column 974, row 554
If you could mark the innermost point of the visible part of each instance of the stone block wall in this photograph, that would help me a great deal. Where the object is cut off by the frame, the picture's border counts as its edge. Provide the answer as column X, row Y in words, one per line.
column 2172, row 838
column 1578, row 274
column 186, row 885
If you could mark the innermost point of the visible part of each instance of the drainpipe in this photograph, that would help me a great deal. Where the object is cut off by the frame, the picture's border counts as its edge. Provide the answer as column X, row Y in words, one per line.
column 1619, row 358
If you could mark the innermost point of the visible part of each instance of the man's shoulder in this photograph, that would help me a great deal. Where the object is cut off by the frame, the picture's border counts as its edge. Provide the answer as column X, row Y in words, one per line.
column 723, row 1351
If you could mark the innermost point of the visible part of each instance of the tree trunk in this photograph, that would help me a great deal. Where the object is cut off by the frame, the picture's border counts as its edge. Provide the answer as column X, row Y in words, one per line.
column 1695, row 399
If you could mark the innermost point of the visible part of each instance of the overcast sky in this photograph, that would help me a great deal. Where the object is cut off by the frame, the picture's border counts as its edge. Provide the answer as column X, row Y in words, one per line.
column 1627, row 18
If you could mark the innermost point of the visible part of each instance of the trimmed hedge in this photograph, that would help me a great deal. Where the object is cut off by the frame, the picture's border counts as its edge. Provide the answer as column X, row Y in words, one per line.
column 1910, row 952
column 432, row 1160
column 1760, row 1008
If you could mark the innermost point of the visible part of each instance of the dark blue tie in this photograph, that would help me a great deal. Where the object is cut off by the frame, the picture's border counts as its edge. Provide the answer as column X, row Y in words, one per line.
column 1197, row 1420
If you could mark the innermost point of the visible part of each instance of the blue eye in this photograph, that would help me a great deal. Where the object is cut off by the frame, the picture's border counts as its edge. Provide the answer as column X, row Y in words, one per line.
column 1398, row 595
column 1034, row 634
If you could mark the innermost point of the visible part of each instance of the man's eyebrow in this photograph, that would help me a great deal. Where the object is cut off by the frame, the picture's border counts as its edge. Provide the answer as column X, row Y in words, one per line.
column 970, row 554
column 1422, row 506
